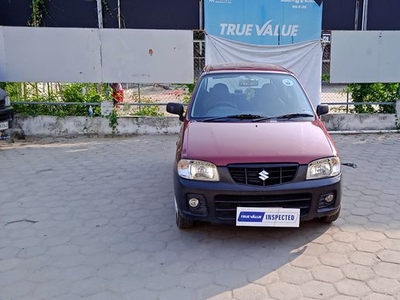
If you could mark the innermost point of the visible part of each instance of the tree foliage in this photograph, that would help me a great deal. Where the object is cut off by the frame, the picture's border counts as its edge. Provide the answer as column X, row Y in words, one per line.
column 374, row 92
column 79, row 93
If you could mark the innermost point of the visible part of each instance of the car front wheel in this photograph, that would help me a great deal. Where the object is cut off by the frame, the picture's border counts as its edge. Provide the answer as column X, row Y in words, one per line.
column 181, row 221
column 330, row 219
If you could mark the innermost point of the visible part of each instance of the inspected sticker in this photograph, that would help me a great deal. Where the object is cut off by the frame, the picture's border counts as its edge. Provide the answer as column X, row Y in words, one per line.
column 268, row 217
column 287, row 82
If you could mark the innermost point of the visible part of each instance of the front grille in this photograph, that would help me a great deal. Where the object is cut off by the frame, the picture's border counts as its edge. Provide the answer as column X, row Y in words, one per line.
column 226, row 205
column 2, row 104
column 277, row 174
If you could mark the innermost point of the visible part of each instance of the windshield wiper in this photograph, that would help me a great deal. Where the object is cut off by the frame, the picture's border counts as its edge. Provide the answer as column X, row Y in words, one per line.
column 287, row 116
column 239, row 116
column 262, row 119
column 244, row 116
column 295, row 115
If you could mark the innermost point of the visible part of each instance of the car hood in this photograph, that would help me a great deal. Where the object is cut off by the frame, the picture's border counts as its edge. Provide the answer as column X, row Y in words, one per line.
column 269, row 142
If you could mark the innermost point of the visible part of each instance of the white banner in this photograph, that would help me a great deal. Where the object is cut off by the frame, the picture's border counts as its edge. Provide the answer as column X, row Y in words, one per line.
column 303, row 59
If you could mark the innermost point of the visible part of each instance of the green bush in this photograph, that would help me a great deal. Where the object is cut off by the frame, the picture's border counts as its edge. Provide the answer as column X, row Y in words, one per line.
column 374, row 92
column 79, row 93
column 148, row 111
column 325, row 78
column 145, row 110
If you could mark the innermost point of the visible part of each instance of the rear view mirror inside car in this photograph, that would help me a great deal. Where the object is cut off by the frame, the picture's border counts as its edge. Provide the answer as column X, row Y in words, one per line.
column 248, row 82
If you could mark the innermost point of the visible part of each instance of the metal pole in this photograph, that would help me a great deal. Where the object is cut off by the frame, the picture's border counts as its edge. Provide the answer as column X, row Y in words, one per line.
column 356, row 14
column 100, row 21
column 201, row 14
column 119, row 13
column 100, row 13
column 365, row 15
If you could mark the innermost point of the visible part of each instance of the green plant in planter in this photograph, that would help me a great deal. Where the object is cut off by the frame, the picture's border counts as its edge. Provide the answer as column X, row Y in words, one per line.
column 113, row 121
column 325, row 78
column 78, row 93
column 146, row 110
column 190, row 87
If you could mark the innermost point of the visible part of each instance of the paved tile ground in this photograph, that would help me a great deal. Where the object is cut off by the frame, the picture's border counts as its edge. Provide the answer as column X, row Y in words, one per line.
column 94, row 219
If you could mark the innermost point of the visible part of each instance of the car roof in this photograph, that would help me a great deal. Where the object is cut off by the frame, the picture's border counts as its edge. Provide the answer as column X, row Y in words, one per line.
column 245, row 67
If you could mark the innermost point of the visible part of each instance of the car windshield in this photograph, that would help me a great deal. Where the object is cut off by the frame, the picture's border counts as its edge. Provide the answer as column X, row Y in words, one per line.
column 249, row 96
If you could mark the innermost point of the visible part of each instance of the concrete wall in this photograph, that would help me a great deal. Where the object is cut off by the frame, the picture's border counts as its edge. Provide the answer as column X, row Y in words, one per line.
column 72, row 126
column 359, row 122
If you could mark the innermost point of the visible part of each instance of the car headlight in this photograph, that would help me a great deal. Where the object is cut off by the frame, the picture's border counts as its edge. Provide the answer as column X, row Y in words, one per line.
column 323, row 168
column 197, row 170
column 8, row 100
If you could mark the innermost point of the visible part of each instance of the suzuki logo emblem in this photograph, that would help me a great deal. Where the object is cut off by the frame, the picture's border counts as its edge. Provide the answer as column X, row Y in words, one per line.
column 263, row 175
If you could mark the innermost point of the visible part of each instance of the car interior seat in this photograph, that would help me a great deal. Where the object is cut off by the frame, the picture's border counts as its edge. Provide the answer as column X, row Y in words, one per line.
column 206, row 100
column 269, row 100
column 219, row 93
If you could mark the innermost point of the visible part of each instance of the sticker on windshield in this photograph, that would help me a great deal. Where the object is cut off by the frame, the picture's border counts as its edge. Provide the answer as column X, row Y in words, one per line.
column 287, row 82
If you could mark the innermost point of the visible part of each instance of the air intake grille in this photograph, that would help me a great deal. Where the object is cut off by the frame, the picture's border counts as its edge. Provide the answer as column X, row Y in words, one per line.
column 226, row 205
column 252, row 175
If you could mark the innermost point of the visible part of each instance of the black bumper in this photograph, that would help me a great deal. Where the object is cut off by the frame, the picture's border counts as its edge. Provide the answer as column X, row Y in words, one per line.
column 7, row 115
column 219, row 200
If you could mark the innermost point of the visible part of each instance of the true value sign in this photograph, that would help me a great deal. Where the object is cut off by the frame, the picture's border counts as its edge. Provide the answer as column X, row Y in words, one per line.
column 272, row 22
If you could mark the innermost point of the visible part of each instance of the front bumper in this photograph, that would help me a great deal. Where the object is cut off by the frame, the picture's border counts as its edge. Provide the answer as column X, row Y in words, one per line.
column 219, row 200
column 7, row 116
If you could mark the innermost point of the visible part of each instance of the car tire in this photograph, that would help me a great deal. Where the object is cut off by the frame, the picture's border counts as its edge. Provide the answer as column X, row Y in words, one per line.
column 182, row 222
column 5, row 135
column 330, row 219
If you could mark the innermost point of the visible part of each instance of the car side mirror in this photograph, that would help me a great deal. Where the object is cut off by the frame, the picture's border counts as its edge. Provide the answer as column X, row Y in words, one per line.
column 176, row 109
column 322, row 109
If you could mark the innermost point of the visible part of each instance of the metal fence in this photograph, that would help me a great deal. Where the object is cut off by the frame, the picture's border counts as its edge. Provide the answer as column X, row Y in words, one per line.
column 199, row 51
column 331, row 93
column 337, row 96
column 139, row 97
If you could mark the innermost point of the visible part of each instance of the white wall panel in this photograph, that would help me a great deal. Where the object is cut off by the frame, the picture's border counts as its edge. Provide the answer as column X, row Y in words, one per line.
column 95, row 55
column 52, row 54
column 365, row 56
column 147, row 56
column 2, row 57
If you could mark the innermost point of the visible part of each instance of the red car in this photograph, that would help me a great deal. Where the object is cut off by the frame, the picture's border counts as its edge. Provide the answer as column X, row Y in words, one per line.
column 252, row 151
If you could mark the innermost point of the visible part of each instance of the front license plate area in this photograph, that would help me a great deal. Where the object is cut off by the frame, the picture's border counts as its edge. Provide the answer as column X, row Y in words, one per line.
column 268, row 217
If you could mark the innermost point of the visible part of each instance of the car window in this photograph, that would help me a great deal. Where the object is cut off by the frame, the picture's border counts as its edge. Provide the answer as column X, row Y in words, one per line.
column 264, row 94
